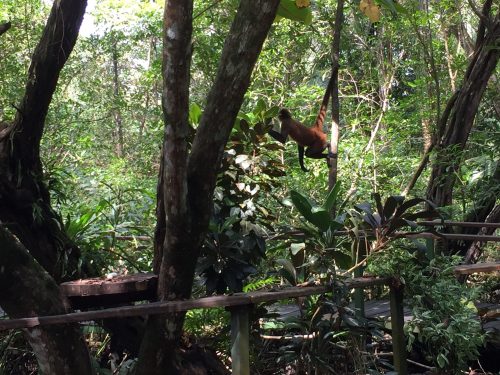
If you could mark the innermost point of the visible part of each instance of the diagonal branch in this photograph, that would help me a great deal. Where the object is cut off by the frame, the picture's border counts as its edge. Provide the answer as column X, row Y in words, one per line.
column 242, row 47
column 4, row 27
column 57, row 42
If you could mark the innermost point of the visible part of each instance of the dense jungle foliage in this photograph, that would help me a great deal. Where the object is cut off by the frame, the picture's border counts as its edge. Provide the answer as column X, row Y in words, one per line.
column 400, row 65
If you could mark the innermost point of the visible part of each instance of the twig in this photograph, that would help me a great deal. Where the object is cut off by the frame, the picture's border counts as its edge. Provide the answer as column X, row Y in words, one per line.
column 206, row 9
column 420, row 364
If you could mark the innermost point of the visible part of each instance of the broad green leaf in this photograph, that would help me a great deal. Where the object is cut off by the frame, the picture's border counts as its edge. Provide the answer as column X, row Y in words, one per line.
column 302, row 204
column 289, row 9
column 331, row 199
column 321, row 219
column 272, row 112
column 389, row 4
column 260, row 107
column 288, row 271
column 342, row 260
column 390, row 205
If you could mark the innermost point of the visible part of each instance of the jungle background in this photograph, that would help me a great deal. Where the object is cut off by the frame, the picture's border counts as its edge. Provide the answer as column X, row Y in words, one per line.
column 402, row 66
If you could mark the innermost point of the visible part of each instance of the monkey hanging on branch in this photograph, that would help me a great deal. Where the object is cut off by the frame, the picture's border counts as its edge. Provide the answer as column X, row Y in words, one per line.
column 313, row 139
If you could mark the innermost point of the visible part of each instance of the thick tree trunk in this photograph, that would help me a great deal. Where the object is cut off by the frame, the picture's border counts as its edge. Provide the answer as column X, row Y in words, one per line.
column 186, row 184
column 28, row 290
column 457, row 127
column 24, row 198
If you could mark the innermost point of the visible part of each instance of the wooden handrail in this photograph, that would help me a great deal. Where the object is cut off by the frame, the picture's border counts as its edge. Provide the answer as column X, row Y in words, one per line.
column 467, row 269
column 155, row 308
column 446, row 223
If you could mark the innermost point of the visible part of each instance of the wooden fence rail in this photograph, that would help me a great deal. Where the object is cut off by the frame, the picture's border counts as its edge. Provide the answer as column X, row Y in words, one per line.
column 238, row 304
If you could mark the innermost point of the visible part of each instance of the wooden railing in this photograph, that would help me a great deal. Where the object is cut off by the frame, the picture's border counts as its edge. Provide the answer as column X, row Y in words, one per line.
column 239, row 305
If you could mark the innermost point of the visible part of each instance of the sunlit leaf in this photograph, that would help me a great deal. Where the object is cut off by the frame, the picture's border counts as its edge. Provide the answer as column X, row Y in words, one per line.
column 370, row 9
column 302, row 3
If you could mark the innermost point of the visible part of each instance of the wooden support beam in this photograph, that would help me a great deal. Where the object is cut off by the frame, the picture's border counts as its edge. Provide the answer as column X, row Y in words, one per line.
column 467, row 269
column 240, row 340
column 397, row 326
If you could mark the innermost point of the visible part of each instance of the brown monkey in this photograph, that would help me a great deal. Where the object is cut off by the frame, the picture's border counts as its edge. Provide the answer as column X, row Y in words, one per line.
column 314, row 138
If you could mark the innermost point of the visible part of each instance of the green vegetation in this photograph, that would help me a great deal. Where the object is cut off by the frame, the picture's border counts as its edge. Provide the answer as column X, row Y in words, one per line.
column 105, row 186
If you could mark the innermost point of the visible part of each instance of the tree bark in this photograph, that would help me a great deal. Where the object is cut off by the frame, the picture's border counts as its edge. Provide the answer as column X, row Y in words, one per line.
column 29, row 228
column 456, row 128
column 28, row 290
column 118, row 132
column 335, row 129
column 187, row 182
column 24, row 197
column 475, row 249
column 4, row 27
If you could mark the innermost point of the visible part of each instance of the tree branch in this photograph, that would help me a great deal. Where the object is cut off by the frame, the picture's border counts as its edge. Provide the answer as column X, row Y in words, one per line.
column 57, row 42
column 4, row 27
column 242, row 47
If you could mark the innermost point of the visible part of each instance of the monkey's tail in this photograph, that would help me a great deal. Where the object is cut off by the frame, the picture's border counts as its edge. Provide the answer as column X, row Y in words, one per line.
column 301, row 158
column 324, row 104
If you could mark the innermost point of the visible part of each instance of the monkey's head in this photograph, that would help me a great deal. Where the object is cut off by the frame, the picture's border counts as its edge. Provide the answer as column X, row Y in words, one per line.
column 284, row 114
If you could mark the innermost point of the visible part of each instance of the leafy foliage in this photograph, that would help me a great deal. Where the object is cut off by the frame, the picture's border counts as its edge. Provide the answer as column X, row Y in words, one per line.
column 444, row 317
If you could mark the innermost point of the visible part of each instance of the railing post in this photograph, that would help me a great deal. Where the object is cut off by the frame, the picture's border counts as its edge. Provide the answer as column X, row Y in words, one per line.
column 397, row 324
column 240, row 348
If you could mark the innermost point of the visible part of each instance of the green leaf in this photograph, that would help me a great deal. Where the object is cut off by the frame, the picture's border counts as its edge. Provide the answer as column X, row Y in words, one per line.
column 321, row 218
column 259, row 107
column 297, row 247
column 194, row 114
column 390, row 205
column 331, row 199
column 302, row 204
column 342, row 260
column 288, row 9
column 389, row 4
column 288, row 271
column 272, row 112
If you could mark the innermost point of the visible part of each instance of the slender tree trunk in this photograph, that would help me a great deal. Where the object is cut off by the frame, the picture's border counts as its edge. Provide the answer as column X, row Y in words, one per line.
column 335, row 129
column 187, row 181
column 456, row 127
column 4, row 27
column 117, row 102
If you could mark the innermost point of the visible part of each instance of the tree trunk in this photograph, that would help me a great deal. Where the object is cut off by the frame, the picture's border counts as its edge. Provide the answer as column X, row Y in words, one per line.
column 118, row 132
column 457, row 125
column 335, row 129
column 187, row 182
column 27, row 290
column 4, row 27
column 25, row 210
column 24, row 197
